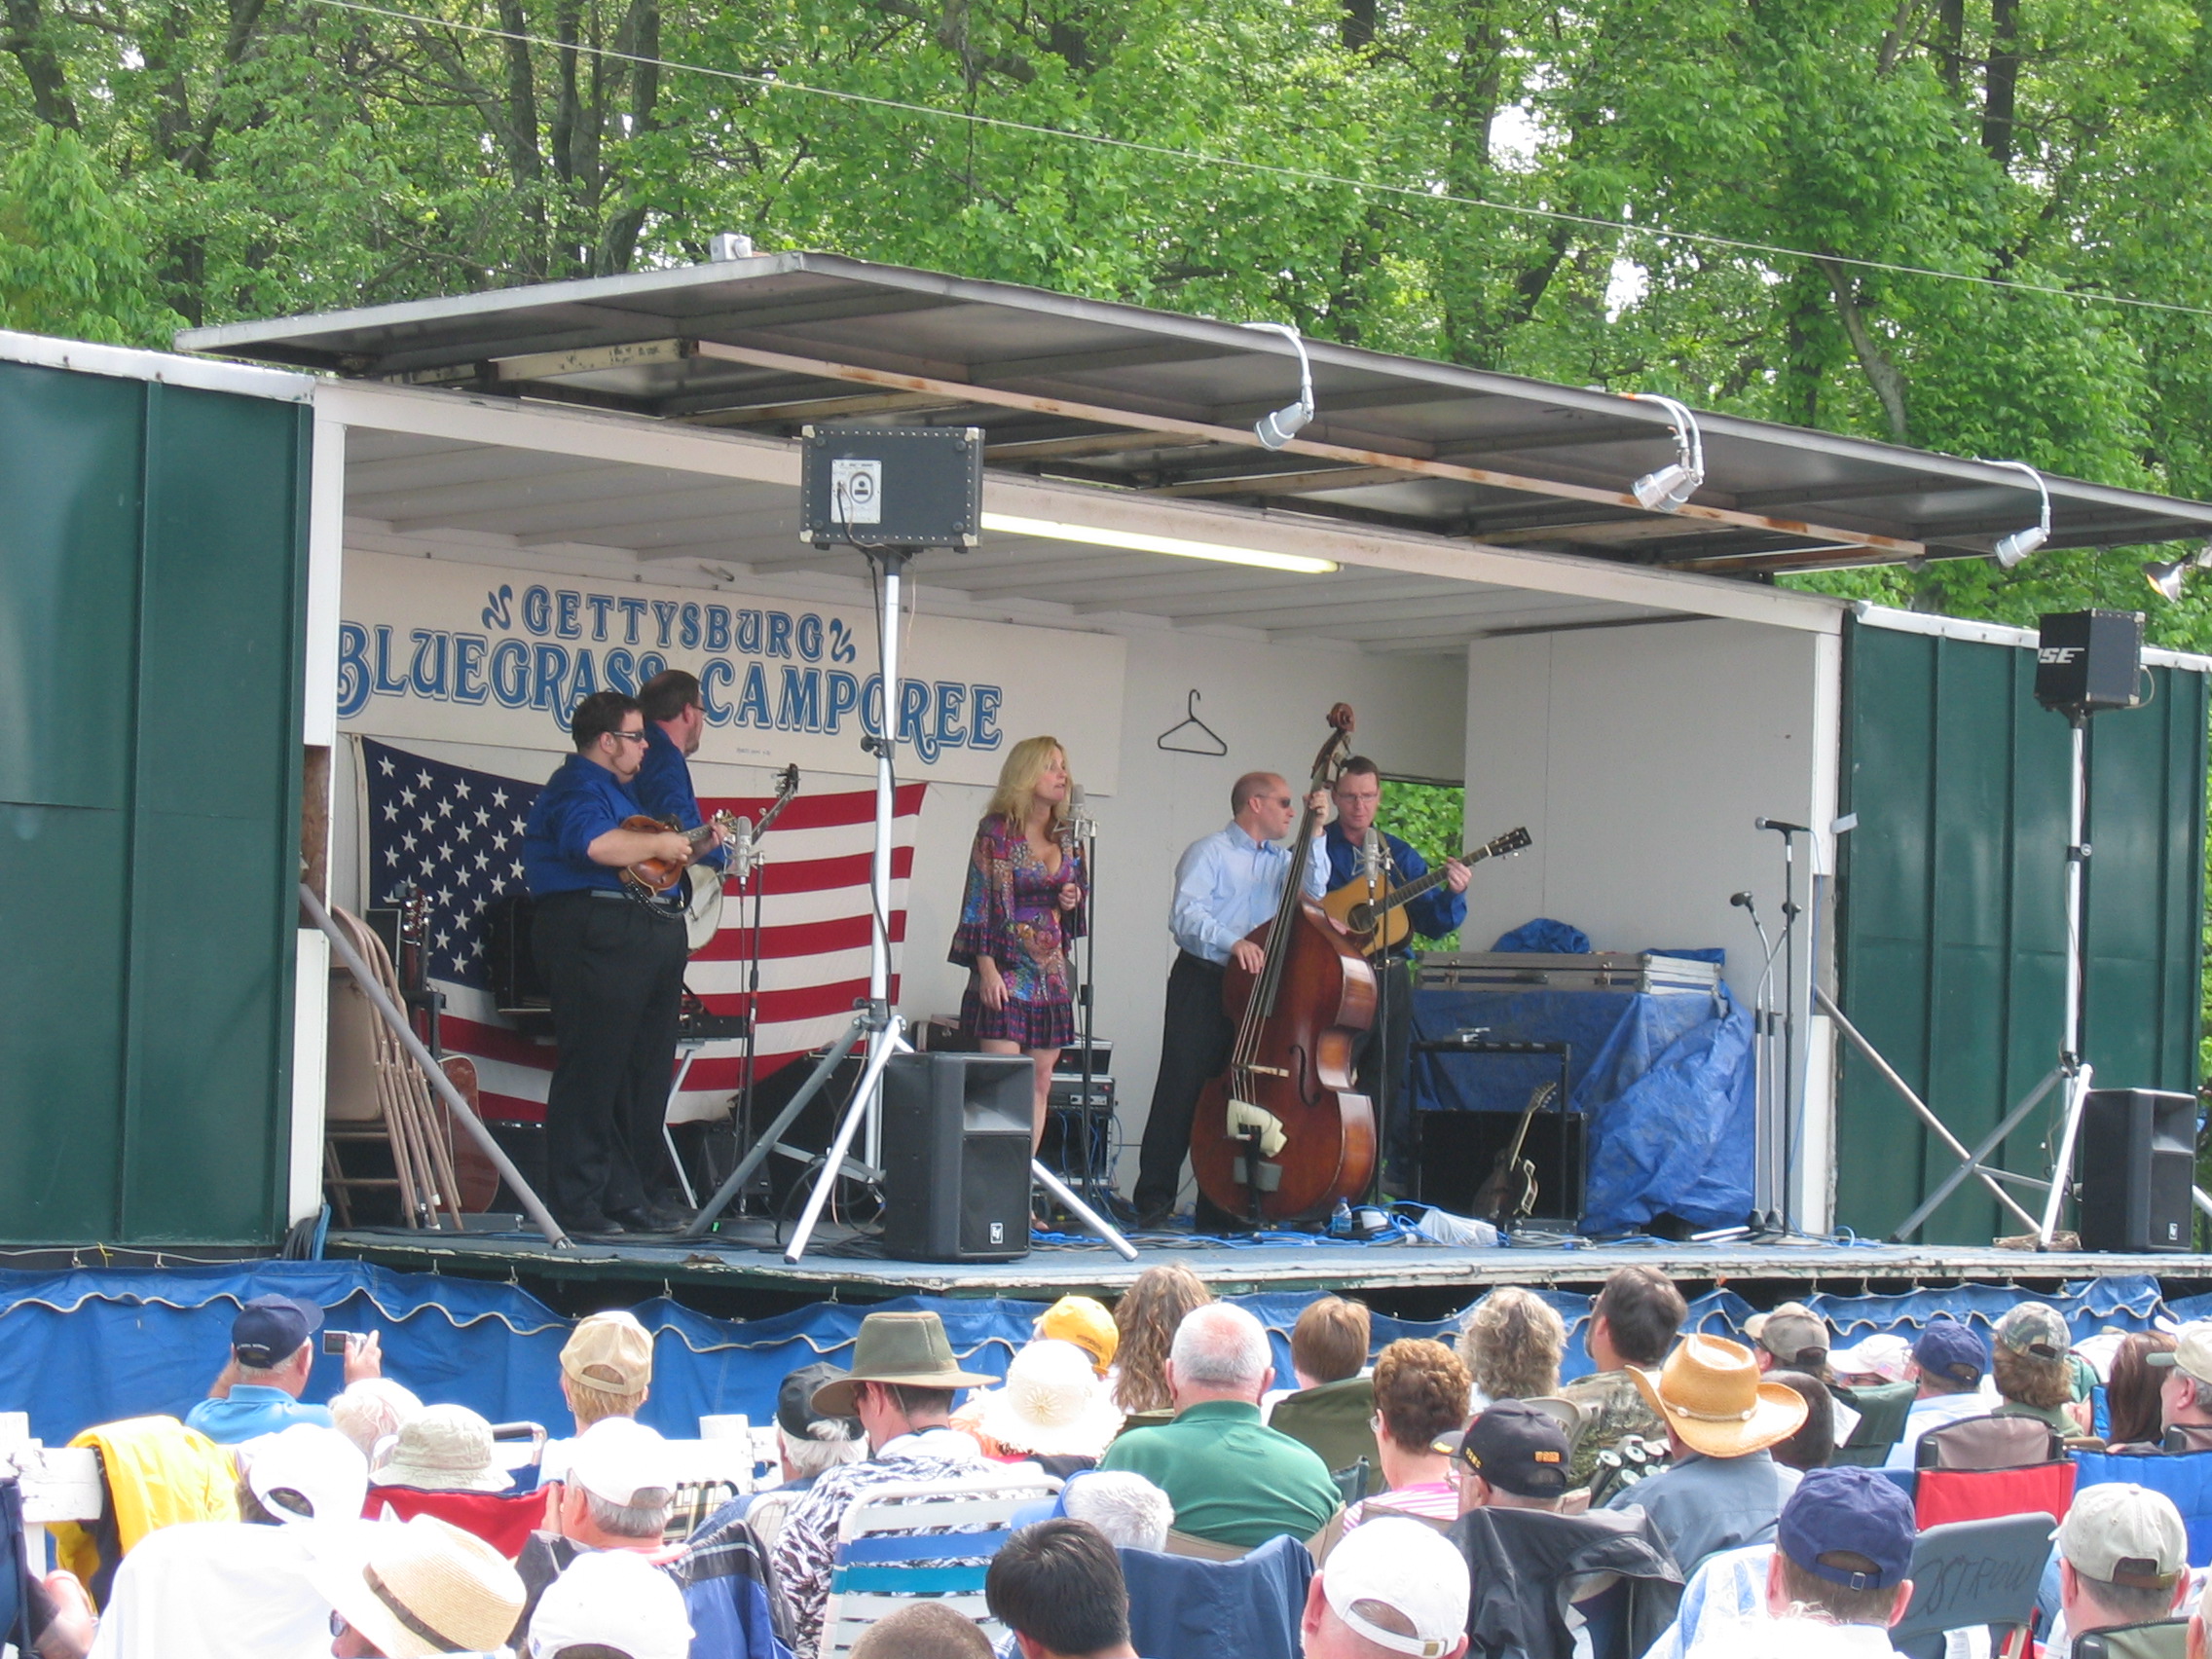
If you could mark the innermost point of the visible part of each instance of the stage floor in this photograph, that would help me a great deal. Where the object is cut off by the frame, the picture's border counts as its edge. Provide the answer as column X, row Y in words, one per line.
column 843, row 1267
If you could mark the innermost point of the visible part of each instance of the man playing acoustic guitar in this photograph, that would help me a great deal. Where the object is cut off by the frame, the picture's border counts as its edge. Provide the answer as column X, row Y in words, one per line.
column 613, row 964
column 1384, row 1049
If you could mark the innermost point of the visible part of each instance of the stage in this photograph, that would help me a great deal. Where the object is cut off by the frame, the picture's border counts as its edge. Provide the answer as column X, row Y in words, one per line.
column 747, row 1271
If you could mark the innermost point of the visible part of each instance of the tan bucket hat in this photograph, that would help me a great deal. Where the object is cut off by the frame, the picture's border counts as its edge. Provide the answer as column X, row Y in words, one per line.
column 1708, row 1392
column 419, row 1587
column 911, row 1350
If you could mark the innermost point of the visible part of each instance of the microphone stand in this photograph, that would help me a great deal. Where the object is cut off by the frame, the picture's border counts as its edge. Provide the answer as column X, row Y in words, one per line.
column 1786, row 944
column 1762, row 1034
column 1085, row 833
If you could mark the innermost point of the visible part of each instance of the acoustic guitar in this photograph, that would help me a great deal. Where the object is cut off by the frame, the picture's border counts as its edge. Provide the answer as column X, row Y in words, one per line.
column 1378, row 919
column 1509, row 1191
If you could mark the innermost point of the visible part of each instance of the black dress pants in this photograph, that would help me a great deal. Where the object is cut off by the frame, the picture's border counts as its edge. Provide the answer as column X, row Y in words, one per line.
column 1384, row 1052
column 1194, row 1048
column 615, row 975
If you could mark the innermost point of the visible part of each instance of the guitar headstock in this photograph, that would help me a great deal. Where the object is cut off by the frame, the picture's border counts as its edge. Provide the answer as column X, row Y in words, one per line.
column 1512, row 841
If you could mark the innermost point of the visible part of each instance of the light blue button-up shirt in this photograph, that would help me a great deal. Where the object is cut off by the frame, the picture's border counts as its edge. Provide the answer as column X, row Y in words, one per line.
column 1228, row 884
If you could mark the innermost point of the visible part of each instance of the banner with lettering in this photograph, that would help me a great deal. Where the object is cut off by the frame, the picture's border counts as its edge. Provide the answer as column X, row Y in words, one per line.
column 434, row 649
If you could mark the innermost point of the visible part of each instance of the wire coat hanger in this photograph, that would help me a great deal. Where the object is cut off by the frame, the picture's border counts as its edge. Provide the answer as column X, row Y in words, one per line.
column 1194, row 744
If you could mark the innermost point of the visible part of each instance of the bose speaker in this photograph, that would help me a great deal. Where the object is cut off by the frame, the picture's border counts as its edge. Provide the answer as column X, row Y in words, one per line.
column 2138, row 1149
column 956, row 1156
column 2087, row 661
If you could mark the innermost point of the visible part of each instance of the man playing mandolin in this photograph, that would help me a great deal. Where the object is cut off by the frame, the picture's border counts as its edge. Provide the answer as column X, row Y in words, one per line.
column 1225, row 885
column 1384, row 1047
column 613, row 965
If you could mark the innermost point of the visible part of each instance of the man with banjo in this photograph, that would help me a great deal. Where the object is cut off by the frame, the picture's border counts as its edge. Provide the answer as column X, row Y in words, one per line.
column 612, row 956
column 676, row 715
column 1378, row 860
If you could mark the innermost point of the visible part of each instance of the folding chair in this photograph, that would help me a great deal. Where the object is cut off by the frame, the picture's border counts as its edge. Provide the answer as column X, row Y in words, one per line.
column 2186, row 1477
column 1187, row 1607
column 924, row 1540
column 1989, row 1443
column 1945, row 1497
column 504, row 1520
column 2160, row 1639
column 1881, row 1409
column 1973, row 1573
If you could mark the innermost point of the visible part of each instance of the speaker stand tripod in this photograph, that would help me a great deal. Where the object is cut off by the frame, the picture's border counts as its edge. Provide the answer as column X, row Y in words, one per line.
column 875, row 1022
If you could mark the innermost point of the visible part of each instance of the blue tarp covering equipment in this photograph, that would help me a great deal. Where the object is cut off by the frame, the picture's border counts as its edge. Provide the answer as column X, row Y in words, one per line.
column 1666, row 1079
column 90, row 1347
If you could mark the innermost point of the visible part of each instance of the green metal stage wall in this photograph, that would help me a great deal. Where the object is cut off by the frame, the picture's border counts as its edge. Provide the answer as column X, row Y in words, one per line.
column 152, row 571
column 1950, row 926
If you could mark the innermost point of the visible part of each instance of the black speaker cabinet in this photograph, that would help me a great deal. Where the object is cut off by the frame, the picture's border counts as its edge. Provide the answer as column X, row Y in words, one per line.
column 1459, row 1149
column 956, row 1158
column 517, row 986
column 2138, row 1162
column 2088, row 660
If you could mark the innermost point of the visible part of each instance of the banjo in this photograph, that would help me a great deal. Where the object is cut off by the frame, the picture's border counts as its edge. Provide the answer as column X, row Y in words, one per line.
column 703, row 915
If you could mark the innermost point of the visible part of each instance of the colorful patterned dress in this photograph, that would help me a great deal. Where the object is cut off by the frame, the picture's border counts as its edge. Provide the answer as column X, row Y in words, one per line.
column 1011, row 914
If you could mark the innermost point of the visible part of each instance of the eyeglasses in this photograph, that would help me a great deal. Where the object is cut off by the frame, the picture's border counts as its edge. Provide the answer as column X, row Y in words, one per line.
column 632, row 736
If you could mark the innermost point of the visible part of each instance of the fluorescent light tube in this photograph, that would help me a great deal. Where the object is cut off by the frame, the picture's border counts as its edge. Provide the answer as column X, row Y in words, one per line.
column 1137, row 541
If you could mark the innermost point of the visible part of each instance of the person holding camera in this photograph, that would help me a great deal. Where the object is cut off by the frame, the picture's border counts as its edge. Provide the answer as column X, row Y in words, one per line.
column 272, row 1355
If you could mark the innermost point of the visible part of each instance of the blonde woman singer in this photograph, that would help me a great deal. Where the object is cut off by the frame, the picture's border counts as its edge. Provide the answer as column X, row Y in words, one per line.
column 1023, row 903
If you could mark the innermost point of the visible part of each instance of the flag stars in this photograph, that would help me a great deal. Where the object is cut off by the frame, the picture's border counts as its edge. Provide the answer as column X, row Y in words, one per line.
column 461, row 788
column 499, row 798
column 407, row 798
column 424, row 779
column 483, row 817
column 383, row 765
column 391, row 812
column 445, row 809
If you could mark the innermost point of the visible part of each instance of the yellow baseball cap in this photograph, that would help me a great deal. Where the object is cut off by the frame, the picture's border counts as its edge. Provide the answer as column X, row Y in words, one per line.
column 1085, row 1322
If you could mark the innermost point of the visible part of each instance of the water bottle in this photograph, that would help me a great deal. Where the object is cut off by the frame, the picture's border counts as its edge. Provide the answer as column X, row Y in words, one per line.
column 1340, row 1221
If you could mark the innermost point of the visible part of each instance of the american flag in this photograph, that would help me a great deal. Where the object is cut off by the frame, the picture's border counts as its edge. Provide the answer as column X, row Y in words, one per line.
column 457, row 834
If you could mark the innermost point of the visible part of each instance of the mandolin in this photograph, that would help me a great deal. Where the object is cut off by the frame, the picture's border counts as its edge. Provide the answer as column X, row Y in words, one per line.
column 1379, row 920
column 658, row 875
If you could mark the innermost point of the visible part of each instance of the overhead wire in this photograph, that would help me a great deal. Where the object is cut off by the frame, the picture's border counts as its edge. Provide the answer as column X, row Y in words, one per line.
column 1278, row 170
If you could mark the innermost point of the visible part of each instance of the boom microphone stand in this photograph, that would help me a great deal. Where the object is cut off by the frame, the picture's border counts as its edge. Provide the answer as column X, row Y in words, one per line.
column 1786, row 944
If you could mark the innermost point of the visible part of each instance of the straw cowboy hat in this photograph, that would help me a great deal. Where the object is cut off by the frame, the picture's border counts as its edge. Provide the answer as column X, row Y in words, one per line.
column 1708, row 1392
column 419, row 1587
column 910, row 1350
column 1052, row 1405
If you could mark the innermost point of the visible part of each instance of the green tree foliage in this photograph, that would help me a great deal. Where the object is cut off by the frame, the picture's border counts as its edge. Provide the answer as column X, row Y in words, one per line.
column 1430, row 819
column 72, row 253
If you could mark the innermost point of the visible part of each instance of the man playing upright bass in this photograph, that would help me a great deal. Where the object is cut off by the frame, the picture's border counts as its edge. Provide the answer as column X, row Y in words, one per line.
column 1225, row 885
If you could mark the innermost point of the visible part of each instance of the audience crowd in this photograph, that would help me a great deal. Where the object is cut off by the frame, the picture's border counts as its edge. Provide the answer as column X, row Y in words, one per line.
column 1693, row 1494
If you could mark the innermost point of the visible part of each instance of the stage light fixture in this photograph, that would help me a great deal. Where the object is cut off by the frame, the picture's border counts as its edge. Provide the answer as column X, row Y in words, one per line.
column 1279, row 428
column 1671, row 487
column 2167, row 576
column 1137, row 541
column 2010, row 550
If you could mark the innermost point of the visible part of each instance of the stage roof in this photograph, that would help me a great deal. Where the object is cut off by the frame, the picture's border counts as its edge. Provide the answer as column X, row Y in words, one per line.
column 1160, row 405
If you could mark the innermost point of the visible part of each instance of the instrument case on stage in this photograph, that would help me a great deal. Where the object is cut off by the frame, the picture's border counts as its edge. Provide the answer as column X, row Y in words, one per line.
column 1645, row 972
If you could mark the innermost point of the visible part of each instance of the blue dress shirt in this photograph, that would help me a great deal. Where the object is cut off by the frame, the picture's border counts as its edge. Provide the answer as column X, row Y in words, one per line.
column 663, row 784
column 252, row 1410
column 580, row 803
column 1435, row 913
column 1228, row 884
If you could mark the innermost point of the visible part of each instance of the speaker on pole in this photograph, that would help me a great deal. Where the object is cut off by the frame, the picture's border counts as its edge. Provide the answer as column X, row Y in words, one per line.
column 2138, row 1166
column 956, row 1156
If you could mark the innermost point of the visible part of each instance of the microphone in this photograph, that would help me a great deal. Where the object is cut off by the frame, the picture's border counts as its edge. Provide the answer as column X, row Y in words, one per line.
column 1741, row 901
column 1076, row 822
column 739, row 841
column 1371, row 857
column 1778, row 824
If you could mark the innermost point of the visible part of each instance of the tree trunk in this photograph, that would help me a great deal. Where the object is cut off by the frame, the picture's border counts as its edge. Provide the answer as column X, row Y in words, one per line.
column 2001, row 82
column 1356, row 28
column 1951, row 44
column 1881, row 374
column 41, row 66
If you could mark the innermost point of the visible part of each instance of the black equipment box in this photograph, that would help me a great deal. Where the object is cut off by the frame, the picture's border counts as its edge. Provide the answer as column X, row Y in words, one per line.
column 2087, row 661
column 1457, row 1151
column 2138, row 1152
column 956, row 1156
column 517, row 986
column 891, row 485
column 1070, row 1063
column 1593, row 970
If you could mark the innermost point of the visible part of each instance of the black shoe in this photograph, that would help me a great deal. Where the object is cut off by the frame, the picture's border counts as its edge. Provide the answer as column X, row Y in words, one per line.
column 1157, row 1217
column 640, row 1219
column 591, row 1223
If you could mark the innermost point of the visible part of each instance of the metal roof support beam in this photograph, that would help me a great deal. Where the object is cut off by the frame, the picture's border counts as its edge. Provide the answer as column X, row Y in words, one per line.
column 1243, row 437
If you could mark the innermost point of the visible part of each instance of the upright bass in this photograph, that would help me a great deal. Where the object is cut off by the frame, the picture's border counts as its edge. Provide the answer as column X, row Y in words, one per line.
column 1283, row 1135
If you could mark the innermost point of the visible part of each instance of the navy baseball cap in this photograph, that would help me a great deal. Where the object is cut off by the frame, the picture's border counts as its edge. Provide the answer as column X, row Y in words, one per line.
column 1950, row 1349
column 1513, row 1445
column 270, row 1329
column 794, row 1404
column 1846, row 1510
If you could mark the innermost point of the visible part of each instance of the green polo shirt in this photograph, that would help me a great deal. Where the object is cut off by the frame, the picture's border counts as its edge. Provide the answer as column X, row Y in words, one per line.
column 1233, row 1478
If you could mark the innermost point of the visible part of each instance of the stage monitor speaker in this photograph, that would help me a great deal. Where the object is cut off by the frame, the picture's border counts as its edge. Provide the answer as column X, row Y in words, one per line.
column 2087, row 661
column 517, row 986
column 956, row 1156
column 2138, row 1166
column 1459, row 1149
